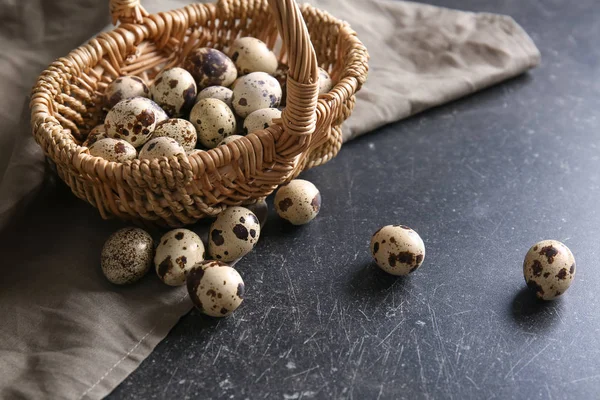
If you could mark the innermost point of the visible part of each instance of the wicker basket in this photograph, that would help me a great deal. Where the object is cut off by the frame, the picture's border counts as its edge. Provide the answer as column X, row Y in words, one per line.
column 175, row 191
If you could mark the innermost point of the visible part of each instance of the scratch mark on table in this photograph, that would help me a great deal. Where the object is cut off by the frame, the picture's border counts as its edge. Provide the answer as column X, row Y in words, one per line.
column 217, row 356
column 472, row 381
column 392, row 331
column 587, row 378
column 306, row 371
column 261, row 375
column 533, row 358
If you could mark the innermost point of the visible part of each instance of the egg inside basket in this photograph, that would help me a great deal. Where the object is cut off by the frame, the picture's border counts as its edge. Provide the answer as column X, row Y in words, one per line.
column 67, row 102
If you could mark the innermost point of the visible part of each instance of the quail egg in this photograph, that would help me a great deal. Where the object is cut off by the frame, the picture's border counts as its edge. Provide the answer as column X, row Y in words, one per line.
column 124, row 87
column 298, row 202
column 179, row 129
column 160, row 114
column 178, row 251
column 174, row 90
column 325, row 82
column 215, row 288
column 127, row 256
column 230, row 139
column 216, row 92
column 281, row 75
column 210, row 67
column 116, row 150
column 213, row 120
column 132, row 120
column 261, row 210
column 549, row 269
column 252, row 55
column 261, row 119
column 194, row 151
column 233, row 234
column 397, row 249
column 255, row 91
column 160, row 147
column 99, row 132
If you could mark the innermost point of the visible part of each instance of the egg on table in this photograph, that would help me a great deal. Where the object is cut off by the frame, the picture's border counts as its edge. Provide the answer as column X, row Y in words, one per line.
column 132, row 120
column 213, row 120
column 160, row 147
column 216, row 92
column 298, row 201
column 116, row 150
column 99, row 132
column 549, row 269
column 255, row 91
column 210, row 67
column 325, row 82
column 124, row 87
column 127, row 256
column 178, row 251
column 181, row 130
column 215, row 288
column 261, row 119
column 174, row 90
column 397, row 249
column 261, row 210
column 233, row 234
column 252, row 55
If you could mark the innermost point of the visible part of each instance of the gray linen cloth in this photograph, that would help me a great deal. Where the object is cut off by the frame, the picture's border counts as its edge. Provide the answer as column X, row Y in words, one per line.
column 65, row 331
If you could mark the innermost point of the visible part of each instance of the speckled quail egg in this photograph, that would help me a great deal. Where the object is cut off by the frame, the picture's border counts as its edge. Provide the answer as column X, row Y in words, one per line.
column 325, row 82
column 116, row 150
column 179, row 129
column 160, row 147
column 125, row 87
column 127, row 255
column 99, row 132
column 230, row 139
column 174, row 90
column 255, row 91
column 213, row 120
column 216, row 92
column 160, row 114
column 215, row 288
column 549, row 269
column 233, row 234
column 252, row 55
column 397, row 249
column 261, row 210
column 210, row 67
column 194, row 151
column 261, row 119
column 281, row 75
column 178, row 251
column 132, row 120
column 298, row 202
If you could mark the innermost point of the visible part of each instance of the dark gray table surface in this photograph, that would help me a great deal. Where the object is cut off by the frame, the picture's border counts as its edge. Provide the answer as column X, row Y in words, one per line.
column 481, row 180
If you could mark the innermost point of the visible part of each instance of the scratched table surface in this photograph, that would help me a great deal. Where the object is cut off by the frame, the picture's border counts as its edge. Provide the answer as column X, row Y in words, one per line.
column 481, row 180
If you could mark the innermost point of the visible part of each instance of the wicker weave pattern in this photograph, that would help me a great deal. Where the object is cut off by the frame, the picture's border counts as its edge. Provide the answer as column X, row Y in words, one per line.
column 66, row 104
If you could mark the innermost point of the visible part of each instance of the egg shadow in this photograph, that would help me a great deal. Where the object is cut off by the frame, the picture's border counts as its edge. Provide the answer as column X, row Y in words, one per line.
column 195, row 323
column 369, row 280
column 531, row 313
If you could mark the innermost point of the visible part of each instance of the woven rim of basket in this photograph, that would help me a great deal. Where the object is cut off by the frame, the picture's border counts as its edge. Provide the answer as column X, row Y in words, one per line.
column 265, row 157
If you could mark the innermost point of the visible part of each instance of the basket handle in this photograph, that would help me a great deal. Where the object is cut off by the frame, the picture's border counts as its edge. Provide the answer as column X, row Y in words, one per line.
column 299, row 115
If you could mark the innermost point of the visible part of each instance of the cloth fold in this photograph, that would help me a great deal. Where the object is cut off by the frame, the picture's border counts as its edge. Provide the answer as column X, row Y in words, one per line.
column 73, row 335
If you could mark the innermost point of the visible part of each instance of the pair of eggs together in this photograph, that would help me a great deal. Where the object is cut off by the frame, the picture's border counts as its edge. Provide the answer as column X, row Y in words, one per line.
column 548, row 268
